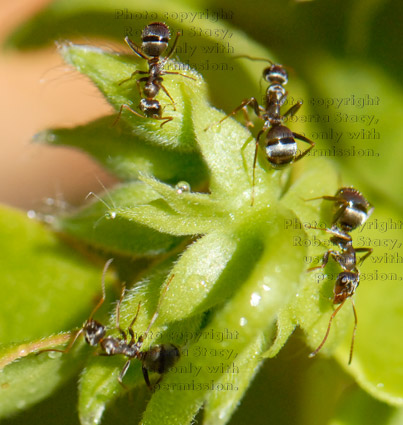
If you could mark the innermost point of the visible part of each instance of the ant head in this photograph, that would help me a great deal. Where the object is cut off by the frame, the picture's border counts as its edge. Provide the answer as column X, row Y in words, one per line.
column 155, row 37
column 94, row 332
column 345, row 286
column 151, row 108
column 275, row 74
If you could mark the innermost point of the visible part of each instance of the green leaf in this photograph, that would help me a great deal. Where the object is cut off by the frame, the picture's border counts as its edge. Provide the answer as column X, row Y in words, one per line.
column 249, row 314
column 109, row 72
column 99, row 225
column 126, row 155
column 220, row 405
column 64, row 19
column 31, row 379
column 46, row 286
column 369, row 124
column 378, row 353
column 354, row 407
column 99, row 385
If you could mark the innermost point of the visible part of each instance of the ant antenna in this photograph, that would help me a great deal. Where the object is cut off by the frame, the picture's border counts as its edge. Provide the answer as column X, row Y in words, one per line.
column 355, row 328
column 101, row 301
column 252, row 58
column 314, row 353
column 155, row 315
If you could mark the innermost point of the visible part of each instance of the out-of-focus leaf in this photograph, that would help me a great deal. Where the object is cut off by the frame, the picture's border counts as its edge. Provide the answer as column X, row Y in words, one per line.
column 126, row 155
column 100, row 226
column 46, row 287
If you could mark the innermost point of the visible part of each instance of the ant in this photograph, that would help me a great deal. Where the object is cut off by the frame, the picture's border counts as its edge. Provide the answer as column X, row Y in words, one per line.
column 155, row 38
column 347, row 281
column 159, row 358
column 351, row 208
column 280, row 145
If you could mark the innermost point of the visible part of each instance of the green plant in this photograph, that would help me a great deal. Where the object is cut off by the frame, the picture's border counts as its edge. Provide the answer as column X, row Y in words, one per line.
column 237, row 269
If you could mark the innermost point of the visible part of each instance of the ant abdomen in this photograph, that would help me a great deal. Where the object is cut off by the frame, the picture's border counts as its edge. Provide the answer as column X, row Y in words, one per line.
column 155, row 38
column 160, row 358
column 281, row 147
column 355, row 208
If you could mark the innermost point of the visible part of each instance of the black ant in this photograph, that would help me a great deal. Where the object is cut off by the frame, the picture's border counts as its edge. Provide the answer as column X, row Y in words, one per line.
column 280, row 145
column 347, row 281
column 159, row 358
column 351, row 208
column 155, row 38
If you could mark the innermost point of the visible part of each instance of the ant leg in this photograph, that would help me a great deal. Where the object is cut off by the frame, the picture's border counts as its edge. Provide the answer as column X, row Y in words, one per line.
column 325, row 260
column 243, row 147
column 167, row 93
column 314, row 353
column 101, row 301
column 340, row 211
column 167, row 119
column 136, row 49
column 247, row 102
column 139, row 87
column 124, row 106
column 171, row 52
column 254, row 167
column 156, row 382
column 130, row 328
column 364, row 257
column 123, row 373
column 146, row 378
column 122, row 332
column 293, row 110
column 354, row 330
column 155, row 315
column 340, row 235
column 178, row 73
column 131, row 76
column 306, row 140
column 96, row 308
column 327, row 198
column 68, row 348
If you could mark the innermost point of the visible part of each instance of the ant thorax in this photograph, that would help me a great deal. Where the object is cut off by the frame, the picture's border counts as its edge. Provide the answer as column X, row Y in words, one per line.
column 276, row 95
column 111, row 346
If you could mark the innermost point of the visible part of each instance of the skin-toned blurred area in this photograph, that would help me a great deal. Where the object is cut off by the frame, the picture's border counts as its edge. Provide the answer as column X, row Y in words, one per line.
column 38, row 91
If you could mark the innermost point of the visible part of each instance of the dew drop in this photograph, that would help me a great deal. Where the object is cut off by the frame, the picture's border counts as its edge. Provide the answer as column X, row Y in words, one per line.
column 243, row 321
column 48, row 218
column 50, row 137
column 50, row 202
column 255, row 299
column 182, row 187
column 266, row 288
column 31, row 214
column 110, row 215
column 380, row 385
column 54, row 354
